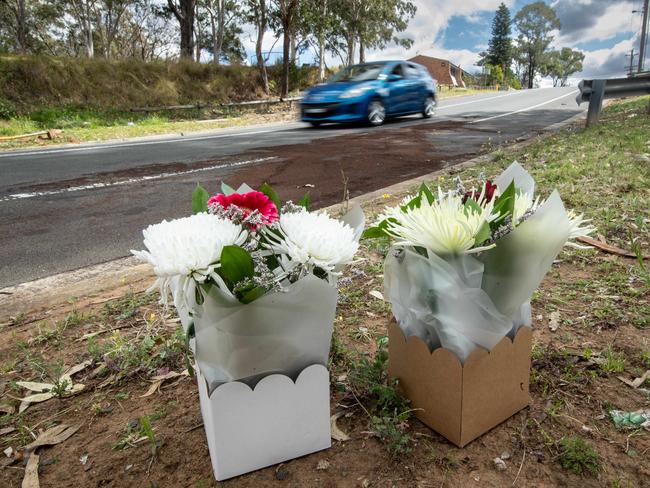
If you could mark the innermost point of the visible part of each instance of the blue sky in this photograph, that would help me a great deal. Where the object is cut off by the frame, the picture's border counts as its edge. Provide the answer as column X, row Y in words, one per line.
column 605, row 30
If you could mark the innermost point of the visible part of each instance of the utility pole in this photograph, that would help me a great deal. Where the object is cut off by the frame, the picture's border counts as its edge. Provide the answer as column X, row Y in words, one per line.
column 644, row 34
column 630, row 71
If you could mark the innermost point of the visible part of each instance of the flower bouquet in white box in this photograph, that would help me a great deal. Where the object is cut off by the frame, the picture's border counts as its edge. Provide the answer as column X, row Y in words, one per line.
column 465, row 263
column 254, row 283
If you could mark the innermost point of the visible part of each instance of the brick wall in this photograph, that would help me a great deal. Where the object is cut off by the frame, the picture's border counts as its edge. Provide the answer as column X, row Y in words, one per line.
column 441, row 69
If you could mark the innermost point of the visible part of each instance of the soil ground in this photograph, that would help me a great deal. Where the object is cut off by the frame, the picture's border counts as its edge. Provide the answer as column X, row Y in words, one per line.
column 591, row 320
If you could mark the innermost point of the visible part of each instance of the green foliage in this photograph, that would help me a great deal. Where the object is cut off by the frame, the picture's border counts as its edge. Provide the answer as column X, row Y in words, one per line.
column 578, row 457
column 613, row 362
column 534, row 22
column 200, row 197
column 379, row 394
column 559, row 65
column 499, row 53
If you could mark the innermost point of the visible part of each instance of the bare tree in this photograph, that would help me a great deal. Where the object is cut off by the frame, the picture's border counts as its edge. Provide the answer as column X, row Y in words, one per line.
column 287, row 11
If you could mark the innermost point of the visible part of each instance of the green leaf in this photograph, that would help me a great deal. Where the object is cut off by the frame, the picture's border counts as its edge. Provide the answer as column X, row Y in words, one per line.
column 200, row 198
column 373, row 232
column 305, row 201
column 483, row 234
column 253, row 294
column 270, row 192
column 505, row 204
column 424, row 190
column 414, row 203
column 236, row 264
column 377, row 231
column 227, row 190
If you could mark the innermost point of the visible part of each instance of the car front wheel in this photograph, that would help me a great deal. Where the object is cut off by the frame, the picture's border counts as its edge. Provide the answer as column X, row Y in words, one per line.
column 376, row 112
column 429, row 107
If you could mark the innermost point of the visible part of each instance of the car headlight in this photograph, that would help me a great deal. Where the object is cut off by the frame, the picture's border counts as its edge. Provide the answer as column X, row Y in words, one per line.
column 355, row 92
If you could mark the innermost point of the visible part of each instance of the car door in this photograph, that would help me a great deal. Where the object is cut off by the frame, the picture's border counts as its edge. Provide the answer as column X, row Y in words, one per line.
column 397, row 89
column 415, row 89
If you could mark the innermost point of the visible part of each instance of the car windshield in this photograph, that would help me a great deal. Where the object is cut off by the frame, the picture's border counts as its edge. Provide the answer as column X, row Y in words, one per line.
column 358, row 72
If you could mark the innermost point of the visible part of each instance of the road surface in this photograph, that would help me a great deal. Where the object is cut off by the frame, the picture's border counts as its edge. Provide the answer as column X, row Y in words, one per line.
column 66, row 207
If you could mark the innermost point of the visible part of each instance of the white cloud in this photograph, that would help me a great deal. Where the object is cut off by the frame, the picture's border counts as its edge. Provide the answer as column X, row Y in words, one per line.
column 594, row 20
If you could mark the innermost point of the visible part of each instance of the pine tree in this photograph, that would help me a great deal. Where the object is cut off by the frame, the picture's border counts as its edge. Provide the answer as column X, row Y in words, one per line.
column 500, row 46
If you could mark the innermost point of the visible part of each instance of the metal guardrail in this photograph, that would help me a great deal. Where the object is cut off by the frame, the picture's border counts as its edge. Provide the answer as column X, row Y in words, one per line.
column 201, row 106
column 595, row 91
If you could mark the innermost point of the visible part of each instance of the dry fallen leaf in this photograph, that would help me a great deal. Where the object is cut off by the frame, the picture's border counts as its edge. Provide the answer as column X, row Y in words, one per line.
column 157, row 381
column 30, row 480
column 337, row 434
column 53, row 436
column 44, row 390
column 637, row 382
column 376, row 294
column 554, row 321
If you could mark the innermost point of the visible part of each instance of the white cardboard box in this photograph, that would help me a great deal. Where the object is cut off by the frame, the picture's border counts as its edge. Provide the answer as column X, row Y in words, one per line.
column 278, row 420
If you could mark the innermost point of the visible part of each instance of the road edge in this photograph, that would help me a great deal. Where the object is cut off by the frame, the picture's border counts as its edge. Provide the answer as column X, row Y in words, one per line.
column 65, row 288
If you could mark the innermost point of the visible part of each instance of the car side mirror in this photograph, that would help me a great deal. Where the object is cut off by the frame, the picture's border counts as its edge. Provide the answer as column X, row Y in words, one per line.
column 393, row 77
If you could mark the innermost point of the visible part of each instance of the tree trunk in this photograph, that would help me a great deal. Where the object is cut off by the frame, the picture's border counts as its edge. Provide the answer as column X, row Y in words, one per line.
column 90, row 45
column 321, row 44
column 221, row 26
column 286, row 44
column 21, row 28
column 531, row 74
column 261, row 29
column 351, row 42
column 362, row 52
column 184, row 13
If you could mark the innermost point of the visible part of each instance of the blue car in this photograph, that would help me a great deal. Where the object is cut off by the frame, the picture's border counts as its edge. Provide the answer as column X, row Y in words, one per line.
column 371, row 92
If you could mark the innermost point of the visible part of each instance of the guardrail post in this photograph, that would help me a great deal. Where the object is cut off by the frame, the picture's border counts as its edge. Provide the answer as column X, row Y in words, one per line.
column 595, row 101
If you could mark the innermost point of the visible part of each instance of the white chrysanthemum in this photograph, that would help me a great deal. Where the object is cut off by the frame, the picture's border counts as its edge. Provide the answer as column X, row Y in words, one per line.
column 577, row 228
column 445, row 226
column 314, row 240
column 187, row 250
column 524, row 202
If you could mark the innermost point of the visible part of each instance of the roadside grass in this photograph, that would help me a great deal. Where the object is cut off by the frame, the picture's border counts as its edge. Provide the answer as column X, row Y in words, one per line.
column 564, row 438
column 82, row 125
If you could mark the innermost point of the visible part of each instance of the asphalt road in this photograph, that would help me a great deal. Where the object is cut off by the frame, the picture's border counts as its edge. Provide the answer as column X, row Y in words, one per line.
column 66, row 207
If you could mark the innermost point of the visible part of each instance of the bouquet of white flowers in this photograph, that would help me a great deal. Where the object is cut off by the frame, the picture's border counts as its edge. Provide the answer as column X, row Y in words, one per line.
column 253, row 280
column 465, row 263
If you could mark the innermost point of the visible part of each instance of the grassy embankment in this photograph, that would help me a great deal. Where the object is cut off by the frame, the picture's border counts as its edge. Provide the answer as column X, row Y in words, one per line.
column 591, row 327
column 92, row 99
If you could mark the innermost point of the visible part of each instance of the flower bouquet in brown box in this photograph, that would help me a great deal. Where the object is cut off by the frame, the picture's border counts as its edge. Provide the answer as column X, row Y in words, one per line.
column 459, row 279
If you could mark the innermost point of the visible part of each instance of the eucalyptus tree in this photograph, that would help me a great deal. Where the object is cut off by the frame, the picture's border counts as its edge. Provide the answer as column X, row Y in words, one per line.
column 535, row 22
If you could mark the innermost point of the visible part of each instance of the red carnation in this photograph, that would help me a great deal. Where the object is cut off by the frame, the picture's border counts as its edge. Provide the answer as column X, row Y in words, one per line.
column 248, row 203
column 490, row 189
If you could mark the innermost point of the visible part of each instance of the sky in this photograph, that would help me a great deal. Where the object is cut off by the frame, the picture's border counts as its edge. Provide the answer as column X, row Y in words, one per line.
column 605, row 30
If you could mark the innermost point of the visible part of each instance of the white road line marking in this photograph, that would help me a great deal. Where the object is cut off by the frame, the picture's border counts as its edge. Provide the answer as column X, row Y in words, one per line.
column 96, row 186
column 441, row 107
column 525, row 109
column 128, row 144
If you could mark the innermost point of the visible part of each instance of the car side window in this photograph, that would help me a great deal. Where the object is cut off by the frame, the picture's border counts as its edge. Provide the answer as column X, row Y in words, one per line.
column 412, row 71
column 397, row 70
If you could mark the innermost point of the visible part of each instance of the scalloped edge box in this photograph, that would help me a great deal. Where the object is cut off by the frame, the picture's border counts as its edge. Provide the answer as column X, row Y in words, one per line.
column 462, row 402
column 278, row 420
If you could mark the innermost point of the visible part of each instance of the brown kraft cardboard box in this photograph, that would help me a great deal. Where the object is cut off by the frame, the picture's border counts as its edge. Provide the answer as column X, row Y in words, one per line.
column 461, row 402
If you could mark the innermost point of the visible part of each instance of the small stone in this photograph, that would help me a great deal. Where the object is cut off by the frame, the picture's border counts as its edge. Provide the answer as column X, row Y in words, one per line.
column 9, row 451
column 505, row 455
column 500, row 464
column 281, row 472
column 323, row 464
column 83, row 459
column 128, row 466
